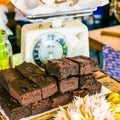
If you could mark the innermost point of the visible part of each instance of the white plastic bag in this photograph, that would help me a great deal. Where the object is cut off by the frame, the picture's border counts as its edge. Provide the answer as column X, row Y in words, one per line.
column 4, row 20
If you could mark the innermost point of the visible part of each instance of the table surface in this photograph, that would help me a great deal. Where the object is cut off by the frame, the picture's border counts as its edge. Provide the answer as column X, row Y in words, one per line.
column 108, row 82
column 98, row 40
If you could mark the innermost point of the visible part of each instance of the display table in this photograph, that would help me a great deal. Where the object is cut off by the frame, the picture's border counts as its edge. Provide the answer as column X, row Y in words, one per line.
column 108, row 82
column 105, row 36
column 108, row 85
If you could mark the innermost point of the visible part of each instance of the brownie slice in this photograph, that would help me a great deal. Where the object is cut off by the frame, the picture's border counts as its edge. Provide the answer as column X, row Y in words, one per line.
column 12, row 107
column 61, row 68
column 60, row 99
column 86, row 65
column 95, row 88
column 48, row 86
column 87, row 79
column 9, row 75
column 29, row 71
column 41, row 106
column 80, row 92
column 33, row 73
column 23, row 90
column 87, row 89
column 90, row 83
column 68, row 84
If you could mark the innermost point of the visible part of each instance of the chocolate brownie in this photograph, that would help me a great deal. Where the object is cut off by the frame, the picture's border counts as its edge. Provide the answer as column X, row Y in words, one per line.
column 60, row 99
column 29, row 71
column 23, row 90
column 32, row 72
column 12, row 107
column 96, row 88
column 87, row 79
column 86, row 65
column 62, row 68
column 68, row 84
column 41, row 106
column 93, row 62
column 9, row 75
column 48, row 86
column 80, row 93
column 90, row 83
column 88, row 89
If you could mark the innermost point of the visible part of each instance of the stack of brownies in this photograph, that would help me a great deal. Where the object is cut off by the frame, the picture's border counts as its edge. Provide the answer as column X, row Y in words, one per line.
column 27, row 90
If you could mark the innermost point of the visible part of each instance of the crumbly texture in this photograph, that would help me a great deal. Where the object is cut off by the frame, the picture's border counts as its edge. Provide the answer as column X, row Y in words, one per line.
column 41, row 106
column 60, row 99
column 32, row 72
column 12, row 107
column 79, row 92
column 48, row 86
column 86, row 65
column 23, row 90
column 87, row 80
column 62, row 68
column 96, row 88
column 68, row 84
column 29, row 71
column 90, row 84
column 9, row 75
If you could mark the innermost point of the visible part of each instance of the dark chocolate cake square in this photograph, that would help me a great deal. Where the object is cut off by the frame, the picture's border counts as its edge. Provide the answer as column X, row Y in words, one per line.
column 41, row 106
column 9, row 75
column 68, row 84
column 23, row 90
column 60, row 99
column 29, row 71
column 62, row 68
column 86, row 65
column 48, row 86
column 12, row 107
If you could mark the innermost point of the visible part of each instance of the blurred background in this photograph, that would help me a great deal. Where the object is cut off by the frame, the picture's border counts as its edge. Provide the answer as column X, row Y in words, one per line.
column 102, row 17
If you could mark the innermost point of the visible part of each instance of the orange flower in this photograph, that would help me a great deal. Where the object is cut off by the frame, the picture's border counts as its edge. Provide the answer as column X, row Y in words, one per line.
column 4, row 2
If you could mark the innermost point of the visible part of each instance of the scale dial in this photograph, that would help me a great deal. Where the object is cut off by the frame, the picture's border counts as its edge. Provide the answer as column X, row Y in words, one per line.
column 50, row 45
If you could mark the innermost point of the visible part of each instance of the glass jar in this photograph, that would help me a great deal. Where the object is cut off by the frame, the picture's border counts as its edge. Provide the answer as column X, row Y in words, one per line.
column 5, row 51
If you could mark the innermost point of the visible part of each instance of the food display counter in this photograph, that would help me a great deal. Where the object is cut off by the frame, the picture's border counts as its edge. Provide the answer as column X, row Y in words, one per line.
column 32, row 90
column 108, row 85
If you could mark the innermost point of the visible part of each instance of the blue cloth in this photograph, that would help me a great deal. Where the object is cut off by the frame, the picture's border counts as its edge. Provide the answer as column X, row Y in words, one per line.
column 99, row 11
column 112, row 62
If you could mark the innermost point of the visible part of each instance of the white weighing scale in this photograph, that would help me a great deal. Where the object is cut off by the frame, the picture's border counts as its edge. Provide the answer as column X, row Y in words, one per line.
column 42, row 42
column 56, row 39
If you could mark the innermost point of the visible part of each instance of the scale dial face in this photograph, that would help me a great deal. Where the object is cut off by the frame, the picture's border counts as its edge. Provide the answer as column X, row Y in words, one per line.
column 50, row 45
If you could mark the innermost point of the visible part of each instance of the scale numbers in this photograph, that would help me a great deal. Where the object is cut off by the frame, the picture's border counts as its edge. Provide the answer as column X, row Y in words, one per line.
column 50, row 45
